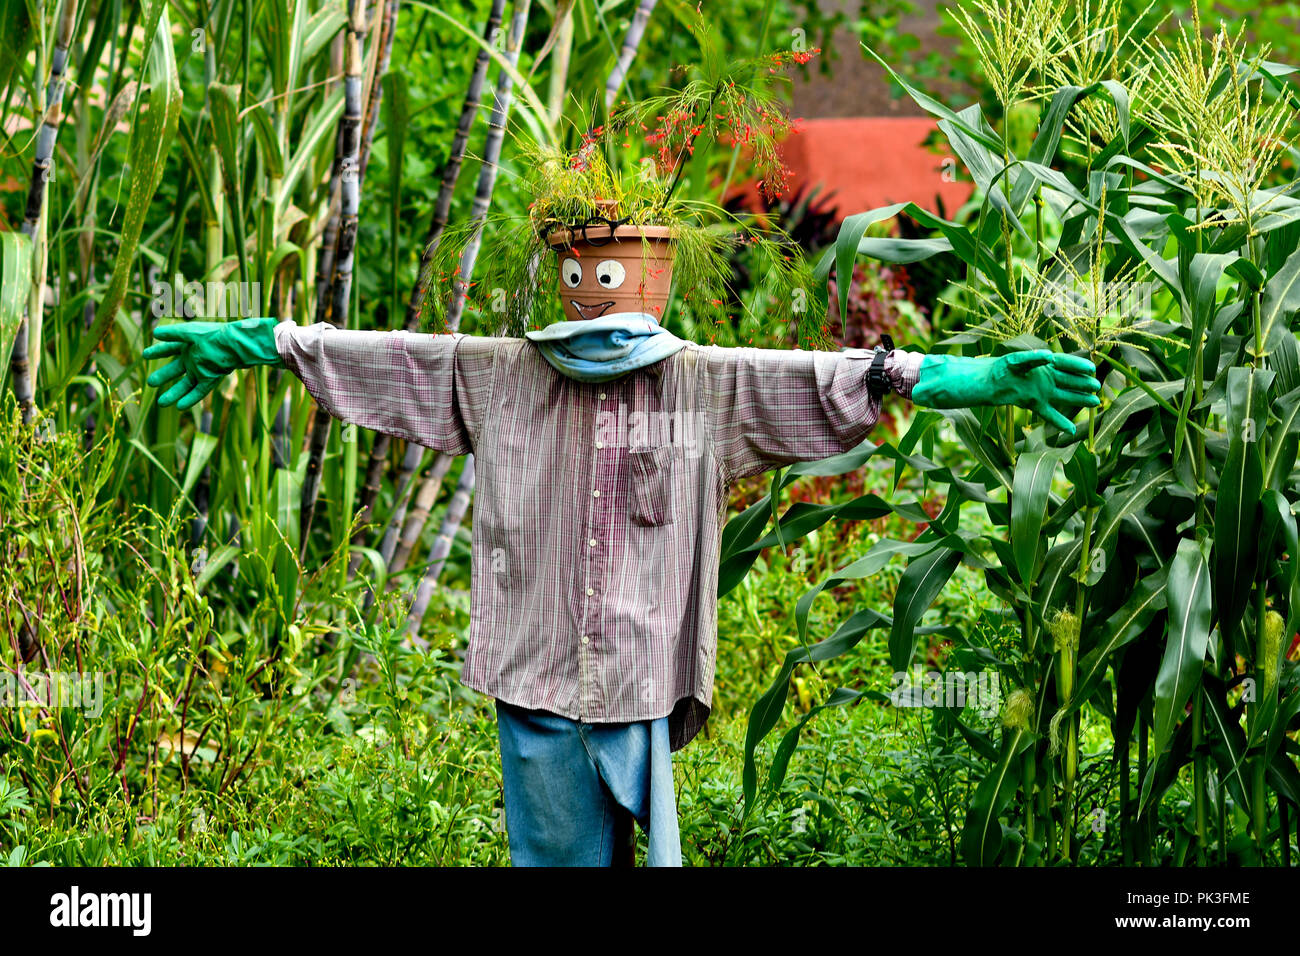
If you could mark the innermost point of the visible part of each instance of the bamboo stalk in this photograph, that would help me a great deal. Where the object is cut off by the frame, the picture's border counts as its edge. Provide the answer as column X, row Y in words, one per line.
column 437, row 225
column 387, row 31
column 85, row 207
column 341, row 284
column 213, row 241
column 356, row 137
column 460, row 290
column 631, row 42
column 324, row 257
column 350, row 180
column 329, row 239
column 455, row 159
column 488, row 170
column 24, row 358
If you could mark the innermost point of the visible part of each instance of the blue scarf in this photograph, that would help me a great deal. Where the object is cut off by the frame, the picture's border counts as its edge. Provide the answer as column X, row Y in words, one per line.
column 597, row 350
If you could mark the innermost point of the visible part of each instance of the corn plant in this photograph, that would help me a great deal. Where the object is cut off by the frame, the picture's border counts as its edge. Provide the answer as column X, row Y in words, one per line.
column 1152, row 563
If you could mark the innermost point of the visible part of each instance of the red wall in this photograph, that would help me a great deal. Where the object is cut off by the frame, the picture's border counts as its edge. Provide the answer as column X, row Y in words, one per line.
column 873, row 161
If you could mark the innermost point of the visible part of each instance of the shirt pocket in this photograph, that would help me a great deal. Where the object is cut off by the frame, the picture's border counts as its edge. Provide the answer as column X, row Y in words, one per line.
column 513, row 483
column 651, row 496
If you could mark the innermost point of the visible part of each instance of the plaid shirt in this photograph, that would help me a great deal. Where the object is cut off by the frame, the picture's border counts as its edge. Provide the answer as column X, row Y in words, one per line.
column 599, row 507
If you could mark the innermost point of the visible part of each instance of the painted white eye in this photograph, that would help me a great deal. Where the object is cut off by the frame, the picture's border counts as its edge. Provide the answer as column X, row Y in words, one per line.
column 571, row 272
column 610, row 273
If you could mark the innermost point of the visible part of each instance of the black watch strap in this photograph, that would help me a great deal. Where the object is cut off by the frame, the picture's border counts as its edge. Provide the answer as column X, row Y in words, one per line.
column 877, row 384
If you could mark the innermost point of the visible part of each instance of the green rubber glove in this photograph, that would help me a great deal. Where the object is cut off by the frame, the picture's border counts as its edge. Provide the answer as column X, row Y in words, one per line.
column 1040, row 380
column 206, row 352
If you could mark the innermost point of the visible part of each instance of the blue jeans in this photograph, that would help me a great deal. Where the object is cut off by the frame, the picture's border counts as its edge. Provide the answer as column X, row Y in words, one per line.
column 573, row 789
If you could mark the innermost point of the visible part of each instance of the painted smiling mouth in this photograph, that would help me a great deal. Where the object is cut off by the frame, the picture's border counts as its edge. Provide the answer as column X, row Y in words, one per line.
column 593, row 310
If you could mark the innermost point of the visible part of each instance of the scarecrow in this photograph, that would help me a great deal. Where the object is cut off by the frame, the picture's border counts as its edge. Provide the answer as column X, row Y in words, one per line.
column 605, row 447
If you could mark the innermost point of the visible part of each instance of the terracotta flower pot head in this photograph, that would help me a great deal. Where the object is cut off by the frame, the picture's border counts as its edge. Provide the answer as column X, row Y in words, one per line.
column 606, row 270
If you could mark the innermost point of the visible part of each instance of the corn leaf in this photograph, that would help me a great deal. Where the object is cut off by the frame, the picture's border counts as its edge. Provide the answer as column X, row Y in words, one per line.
column 1278, row 511
column 1120, row 629
column 1187, row 635
column 985, row 165
column 1200, row 281
column 919, row 586
column 317, row 131
column 1031, row 488
column 1123, row 504
column 1281, row 296
column 1236, row 513
column 785, row 749
column 981, row 838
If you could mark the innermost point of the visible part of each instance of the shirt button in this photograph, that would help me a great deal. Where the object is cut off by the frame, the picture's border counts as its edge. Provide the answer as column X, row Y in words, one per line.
column 602, row 396
column 600, row 444
column 595, row 493
column 586, row 639
column 590, row 591
column 591, row 543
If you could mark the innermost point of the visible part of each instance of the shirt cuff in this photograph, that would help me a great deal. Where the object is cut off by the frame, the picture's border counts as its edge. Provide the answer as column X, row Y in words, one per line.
column 281, row 330
column 903, row 369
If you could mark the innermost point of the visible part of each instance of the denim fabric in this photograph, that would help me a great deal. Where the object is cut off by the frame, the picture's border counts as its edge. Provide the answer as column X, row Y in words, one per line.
column 570, row 788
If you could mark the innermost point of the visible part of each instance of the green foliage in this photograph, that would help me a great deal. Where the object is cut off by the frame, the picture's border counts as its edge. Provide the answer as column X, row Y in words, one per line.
column 192, row 737
column 1148, row 559
column 257, row 708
